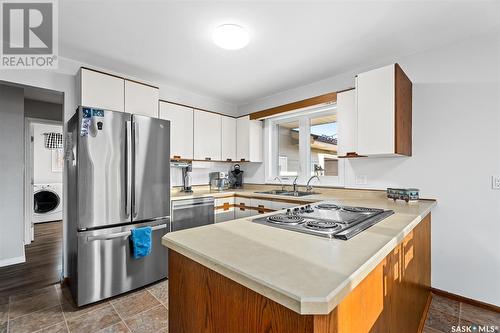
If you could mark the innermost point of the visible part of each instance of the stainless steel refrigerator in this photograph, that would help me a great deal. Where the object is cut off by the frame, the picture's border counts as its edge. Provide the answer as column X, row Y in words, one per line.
column 118, row 167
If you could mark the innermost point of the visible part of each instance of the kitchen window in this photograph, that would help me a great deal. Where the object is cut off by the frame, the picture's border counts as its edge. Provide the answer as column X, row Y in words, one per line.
column 304, row 144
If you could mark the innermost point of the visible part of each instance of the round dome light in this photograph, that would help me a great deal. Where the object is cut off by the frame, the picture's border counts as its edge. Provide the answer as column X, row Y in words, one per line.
column 230, row 36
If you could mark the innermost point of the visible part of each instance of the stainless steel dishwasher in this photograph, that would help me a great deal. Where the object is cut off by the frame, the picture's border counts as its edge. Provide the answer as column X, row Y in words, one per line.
column 192, row 213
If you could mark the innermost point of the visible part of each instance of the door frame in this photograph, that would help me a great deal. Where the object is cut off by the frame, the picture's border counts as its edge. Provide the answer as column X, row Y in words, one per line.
column 29, row 173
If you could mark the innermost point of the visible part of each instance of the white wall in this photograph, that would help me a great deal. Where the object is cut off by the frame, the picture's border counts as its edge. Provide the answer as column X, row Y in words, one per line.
column 456, row 150
column 42, row 157
column 11, row 164
column 199, row 176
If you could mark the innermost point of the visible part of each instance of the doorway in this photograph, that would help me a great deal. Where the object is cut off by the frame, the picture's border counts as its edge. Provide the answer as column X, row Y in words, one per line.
column 41, row 184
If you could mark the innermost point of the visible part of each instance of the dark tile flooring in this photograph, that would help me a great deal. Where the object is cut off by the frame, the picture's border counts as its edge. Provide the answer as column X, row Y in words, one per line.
column 31, row 302
column 51, row 309
column 448, row 315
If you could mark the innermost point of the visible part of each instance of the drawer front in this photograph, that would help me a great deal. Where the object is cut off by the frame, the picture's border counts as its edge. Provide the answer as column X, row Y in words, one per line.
column 259, row 203
column 239, row 201
column 224, row 202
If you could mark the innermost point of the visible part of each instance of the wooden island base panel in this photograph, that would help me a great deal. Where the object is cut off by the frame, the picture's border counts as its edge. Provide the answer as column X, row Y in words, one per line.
column 392, row 298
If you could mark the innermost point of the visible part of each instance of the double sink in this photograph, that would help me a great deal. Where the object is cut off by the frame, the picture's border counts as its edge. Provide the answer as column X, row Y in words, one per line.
column 289, row 193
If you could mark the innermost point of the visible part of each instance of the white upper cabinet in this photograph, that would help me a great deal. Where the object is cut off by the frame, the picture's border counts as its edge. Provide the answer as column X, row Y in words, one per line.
column 384, row 105
column 249, row 139
column 101, row 90
column 347, row 119
column 228, row 138
column 181, row 129
column 207, row 135
column 141, row 99
column 375, row 103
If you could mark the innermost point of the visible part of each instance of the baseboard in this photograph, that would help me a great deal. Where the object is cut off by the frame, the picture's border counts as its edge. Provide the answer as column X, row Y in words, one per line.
column 12, row 261
column 467, row 300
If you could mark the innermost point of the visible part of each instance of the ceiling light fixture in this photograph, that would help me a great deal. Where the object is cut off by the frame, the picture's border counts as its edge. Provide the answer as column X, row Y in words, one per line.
column 230, row 36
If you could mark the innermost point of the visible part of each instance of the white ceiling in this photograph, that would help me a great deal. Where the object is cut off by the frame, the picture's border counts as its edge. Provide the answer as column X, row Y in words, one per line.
column 292, row 43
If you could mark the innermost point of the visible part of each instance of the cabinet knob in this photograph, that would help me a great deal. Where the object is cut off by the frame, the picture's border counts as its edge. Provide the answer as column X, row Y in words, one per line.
column 208, row 158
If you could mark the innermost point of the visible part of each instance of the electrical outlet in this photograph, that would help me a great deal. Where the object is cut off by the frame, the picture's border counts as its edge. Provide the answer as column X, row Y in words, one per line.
column 495, row 182
column 361, row 180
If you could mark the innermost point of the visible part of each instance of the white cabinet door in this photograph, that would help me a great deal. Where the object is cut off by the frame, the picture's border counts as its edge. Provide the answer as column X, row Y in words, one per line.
column 141, row 99
column 375, row 93
column 228, row 138
column 207, row 136
column 243, row 139
column 181, row 129
column 347, row 119
column 249, row 139
column 101, row 90
column 241, row 207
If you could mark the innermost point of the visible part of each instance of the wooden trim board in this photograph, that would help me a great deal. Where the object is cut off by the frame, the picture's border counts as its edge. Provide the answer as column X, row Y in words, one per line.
column 402, row 113
column 321, row 99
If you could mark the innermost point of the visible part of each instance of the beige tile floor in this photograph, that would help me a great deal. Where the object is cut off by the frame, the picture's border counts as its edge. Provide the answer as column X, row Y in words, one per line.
column 51, row 309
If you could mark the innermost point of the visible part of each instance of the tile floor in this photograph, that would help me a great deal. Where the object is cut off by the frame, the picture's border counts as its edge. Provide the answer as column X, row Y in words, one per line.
column 445, row 313
column 51, row 309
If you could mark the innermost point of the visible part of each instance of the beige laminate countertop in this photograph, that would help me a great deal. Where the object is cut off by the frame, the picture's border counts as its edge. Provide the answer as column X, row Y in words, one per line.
column 307, row 274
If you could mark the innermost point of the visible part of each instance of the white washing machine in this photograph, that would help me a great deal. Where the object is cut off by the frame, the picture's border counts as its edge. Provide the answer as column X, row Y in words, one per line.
column 47, row 202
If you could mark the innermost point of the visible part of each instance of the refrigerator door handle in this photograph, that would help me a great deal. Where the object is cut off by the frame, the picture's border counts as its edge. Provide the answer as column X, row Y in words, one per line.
column 134, row 154
column 121, row 234
column 128, row 167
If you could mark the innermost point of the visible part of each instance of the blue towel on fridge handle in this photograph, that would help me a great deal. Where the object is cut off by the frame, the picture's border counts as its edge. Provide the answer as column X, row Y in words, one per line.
column 141, row 242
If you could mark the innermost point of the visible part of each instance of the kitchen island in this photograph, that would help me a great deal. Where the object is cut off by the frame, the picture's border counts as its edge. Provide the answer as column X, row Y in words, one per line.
column 240, row 276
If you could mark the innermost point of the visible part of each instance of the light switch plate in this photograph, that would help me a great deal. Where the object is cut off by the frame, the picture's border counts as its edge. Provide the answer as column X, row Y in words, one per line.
column 495, row 182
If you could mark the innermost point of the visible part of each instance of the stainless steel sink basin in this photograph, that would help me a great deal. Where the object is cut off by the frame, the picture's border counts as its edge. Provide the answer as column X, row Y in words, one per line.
column 288, row 193
column 275, row 192
column 299, row 193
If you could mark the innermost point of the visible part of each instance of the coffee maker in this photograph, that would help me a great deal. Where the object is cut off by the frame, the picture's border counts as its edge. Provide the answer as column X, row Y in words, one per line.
column 236, row 177
column 218, row 181
column 186, row 178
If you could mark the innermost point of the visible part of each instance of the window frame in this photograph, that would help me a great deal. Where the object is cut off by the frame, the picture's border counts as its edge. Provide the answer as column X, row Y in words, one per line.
column 305, row 168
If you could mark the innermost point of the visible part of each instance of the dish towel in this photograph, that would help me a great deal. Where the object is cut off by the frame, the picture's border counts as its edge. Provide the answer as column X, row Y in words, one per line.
column 141, row 242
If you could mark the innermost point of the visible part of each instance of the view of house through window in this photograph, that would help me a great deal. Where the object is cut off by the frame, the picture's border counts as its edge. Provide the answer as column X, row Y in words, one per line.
column 288, row 149
column 305, row 144
column 323, row 144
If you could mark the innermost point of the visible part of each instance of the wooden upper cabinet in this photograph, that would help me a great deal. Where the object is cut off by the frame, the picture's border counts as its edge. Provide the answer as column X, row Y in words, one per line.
column 141, row 99
column 228, row 138
column 384, row 112
column 249, row 139
column 101, row 90
column 181, row 129
column 207, row 135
